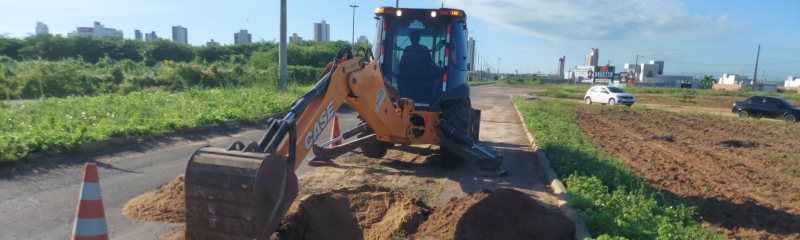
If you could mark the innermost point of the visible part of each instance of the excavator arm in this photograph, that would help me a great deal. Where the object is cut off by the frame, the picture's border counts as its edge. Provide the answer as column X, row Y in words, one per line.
column 244, row 191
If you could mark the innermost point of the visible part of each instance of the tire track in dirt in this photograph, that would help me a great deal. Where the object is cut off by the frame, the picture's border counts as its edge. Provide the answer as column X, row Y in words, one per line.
column 725, row 165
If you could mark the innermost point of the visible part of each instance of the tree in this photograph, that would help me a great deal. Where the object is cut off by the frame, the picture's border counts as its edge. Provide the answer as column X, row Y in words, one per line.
column 707, row 81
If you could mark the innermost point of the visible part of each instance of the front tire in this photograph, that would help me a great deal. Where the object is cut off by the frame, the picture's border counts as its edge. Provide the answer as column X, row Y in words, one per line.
column 743, row 114
column 790, row 118
column 455, row 112
column 588, row 101
column 611, row 102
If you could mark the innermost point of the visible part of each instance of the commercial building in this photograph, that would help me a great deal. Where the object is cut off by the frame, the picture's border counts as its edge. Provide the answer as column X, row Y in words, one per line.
column 560, row 69
column 792, row 82
column 362, row 39
column 179, row 34
column 593, row 57
column 137, row 35
column 471, row 52
column 150, row 36
column 242, row 37
column 732, row 79
column 41, row 28
column 212, row 43
column 295, row 39
column 98, row 31
column 660, row 65
column 322, row 32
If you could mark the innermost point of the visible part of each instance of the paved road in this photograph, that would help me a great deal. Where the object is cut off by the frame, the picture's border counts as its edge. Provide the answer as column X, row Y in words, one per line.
column 38, row 200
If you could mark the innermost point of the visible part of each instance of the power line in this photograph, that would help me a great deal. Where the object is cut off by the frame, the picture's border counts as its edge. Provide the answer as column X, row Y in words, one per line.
column 745, row 64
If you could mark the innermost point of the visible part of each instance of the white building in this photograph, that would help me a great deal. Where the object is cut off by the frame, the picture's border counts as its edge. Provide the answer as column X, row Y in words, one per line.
column 660, row 65
column 242, row 37
column 322, row 32
column 363, row 40
column 647, row 72
column 732, row 79
column 98, row 31
column 41, row 28
column 792, row 82
column 593, row 58
column 212, row 43
column 179, row 34
column 295, row 39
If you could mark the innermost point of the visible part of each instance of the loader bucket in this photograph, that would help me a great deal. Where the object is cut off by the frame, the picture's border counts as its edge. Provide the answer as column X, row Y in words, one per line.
column 235, row 194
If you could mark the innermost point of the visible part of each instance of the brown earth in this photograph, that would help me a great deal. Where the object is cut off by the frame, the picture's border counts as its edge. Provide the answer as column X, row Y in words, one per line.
column 364, row 212
column 742, row 174
column 164, row 204
column 502, row 214
column 175, row 234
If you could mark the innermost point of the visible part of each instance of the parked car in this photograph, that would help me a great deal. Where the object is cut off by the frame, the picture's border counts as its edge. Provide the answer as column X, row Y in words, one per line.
column 608, row 95
column 768, row 107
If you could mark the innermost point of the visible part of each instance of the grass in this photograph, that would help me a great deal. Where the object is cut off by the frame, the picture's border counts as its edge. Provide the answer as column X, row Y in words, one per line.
column 65, row 124
column 478, row 83
column 789, row 165
column 613, row 202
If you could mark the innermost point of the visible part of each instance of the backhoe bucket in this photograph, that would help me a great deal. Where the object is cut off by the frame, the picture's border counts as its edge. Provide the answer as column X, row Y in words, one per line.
column 237, row 194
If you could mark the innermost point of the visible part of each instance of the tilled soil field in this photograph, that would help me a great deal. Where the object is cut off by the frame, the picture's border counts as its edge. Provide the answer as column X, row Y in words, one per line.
column 743, row 175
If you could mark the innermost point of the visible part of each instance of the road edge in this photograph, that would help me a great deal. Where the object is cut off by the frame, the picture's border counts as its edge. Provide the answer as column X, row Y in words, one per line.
column 581, row 231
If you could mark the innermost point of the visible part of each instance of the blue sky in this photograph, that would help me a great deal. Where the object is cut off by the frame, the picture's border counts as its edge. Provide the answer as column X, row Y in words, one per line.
column 692, row 37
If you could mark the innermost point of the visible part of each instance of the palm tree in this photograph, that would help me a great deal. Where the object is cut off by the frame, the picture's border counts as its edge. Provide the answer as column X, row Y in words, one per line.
column 707, row 81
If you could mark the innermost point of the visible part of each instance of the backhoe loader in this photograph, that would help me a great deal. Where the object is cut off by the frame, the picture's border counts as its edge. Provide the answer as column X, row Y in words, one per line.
column 412, row 91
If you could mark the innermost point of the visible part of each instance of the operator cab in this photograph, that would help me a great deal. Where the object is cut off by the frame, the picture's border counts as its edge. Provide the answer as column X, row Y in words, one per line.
column 423, row 53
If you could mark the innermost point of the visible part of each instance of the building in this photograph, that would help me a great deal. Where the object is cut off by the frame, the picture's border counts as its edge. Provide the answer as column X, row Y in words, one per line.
column 792, row 82
column 471, row 52
column 179, row 34
column 560, row 69
column 212, row 43
column 98, row 31
column 732, row 79
column 322, row 32
column 150, row 36
column 137, row 35
column 363, row 40
column 295, row 39
column 647, row 72
column 660, row 65
column 242, row 37
column 41, row 28
column 593, row 57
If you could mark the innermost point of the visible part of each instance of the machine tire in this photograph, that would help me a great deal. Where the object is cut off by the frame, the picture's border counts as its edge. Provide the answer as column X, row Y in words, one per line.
column 376, row 149
column 456, row 112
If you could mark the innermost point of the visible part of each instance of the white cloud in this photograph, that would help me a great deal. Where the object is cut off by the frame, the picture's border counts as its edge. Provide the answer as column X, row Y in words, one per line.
column 597, row 20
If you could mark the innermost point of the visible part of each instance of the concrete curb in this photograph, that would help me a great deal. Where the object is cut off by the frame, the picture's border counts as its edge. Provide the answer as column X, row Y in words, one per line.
column 99, row 144
column 581, row 232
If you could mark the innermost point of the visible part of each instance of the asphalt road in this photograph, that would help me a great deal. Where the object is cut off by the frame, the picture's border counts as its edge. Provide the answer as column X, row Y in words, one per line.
column 38, row 200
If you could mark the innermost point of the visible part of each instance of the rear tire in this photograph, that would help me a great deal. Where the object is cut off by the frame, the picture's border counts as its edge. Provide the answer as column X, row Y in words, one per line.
column 743, row 114
column 375, row 149
column 455, row 112
column 790, row 118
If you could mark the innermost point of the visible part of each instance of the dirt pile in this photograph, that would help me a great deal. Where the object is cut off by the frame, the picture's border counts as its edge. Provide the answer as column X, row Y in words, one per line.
column 164, row 204
column 363, row 212
column 502, row 214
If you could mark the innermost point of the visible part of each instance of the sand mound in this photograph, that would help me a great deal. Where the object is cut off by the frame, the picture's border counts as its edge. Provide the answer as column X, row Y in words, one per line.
column 363, row 212
column 165, row 204
column 502, row 214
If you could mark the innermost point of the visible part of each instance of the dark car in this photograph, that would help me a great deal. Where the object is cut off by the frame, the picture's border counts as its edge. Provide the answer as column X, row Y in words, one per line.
column 769, row 107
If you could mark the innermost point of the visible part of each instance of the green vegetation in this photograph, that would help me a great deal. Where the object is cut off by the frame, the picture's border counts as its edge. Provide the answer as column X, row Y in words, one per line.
column 516, row 81
column 613, row 202
column 577, row 91
column 478, row 83
column 65, row 124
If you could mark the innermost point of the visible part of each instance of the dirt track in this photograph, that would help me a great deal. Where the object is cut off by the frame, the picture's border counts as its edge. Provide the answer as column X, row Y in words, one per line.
column 740, row 173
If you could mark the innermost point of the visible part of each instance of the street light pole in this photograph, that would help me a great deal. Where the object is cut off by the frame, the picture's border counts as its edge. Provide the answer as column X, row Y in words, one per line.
column 354, row 23
column 498, row 66
column 282, row 51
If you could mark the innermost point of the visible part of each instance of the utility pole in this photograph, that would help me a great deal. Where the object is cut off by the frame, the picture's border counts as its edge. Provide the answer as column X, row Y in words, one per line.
column 397, row 4
column 636, row 70
column 282, row 53
column 756, row 70
column 498, row 67
column 354, row 23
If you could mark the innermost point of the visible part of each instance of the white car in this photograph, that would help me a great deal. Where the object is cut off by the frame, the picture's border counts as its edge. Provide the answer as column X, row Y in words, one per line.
column 609, row 95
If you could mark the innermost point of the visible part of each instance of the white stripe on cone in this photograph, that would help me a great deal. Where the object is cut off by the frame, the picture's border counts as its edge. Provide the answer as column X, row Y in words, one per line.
column 89, row 227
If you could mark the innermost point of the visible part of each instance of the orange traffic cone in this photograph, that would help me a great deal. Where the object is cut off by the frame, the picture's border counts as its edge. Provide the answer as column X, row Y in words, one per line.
column 90, row 222
column 335, row 132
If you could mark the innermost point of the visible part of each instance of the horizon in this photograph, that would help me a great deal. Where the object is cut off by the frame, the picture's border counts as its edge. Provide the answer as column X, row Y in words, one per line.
column 709, row 37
